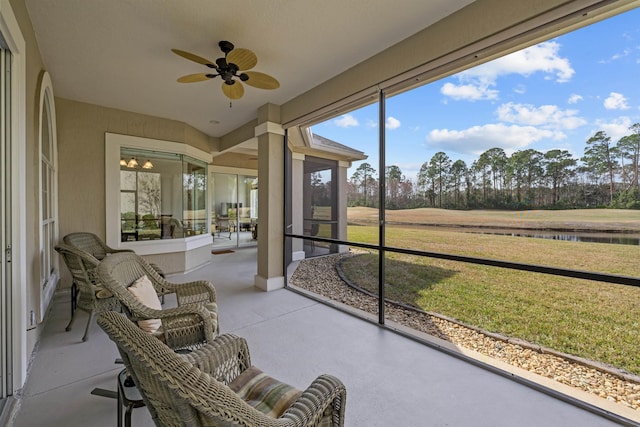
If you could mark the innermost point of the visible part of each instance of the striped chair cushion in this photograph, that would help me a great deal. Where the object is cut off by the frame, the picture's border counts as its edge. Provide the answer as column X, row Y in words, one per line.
column 266, row 394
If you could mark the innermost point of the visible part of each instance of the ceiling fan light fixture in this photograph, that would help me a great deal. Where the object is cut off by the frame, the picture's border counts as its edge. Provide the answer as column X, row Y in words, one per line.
column 225, row 46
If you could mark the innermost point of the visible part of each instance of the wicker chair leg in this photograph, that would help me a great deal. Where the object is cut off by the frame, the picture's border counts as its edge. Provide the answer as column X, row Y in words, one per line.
column 89, row 322
column 70, row 324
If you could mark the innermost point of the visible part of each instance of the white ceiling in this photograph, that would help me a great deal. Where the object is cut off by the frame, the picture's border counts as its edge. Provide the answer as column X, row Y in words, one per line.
column 117, row 53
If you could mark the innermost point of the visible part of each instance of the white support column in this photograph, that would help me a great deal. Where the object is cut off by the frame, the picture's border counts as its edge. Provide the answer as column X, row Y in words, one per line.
column 297, row 170
column 271, row 201
column 342, row 203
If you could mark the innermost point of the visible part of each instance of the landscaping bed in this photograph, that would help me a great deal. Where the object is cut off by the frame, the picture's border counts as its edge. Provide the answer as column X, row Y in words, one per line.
column 320, row 276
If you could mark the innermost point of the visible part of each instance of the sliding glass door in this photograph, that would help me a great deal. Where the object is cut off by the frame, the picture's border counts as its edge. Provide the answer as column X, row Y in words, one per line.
column 6, row 311
column 234, row 210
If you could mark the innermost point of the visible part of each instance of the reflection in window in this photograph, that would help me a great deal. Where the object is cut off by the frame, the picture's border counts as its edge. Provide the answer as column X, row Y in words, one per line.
column 319, row 204
column 47, row 195
column 195, row 196
column 162, row 195
column 234, row 210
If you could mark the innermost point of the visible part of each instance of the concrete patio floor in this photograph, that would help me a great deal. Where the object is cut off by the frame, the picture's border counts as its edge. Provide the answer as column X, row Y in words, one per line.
column 391, row 380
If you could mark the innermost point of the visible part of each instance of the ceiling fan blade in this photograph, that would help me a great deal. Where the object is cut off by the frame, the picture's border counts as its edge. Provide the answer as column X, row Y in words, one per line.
column 192, row 78
column 234, row 91
column 243, row 58
column 261, row 80
column 192, row 57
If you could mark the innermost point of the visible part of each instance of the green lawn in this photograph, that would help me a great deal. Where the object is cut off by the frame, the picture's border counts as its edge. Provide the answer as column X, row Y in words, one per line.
column 589, row 319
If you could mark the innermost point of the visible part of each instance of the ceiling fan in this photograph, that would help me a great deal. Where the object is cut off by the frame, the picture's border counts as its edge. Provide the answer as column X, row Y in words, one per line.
column 232, row 69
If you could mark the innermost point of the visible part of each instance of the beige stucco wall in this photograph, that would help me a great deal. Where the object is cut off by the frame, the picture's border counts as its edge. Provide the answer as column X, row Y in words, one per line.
column 236, row 160
column 181, row 262
column 81, row 154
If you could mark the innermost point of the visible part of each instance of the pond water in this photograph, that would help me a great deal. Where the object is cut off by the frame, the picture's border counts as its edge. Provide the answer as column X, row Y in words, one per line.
column 612, row 238
column 617, row 238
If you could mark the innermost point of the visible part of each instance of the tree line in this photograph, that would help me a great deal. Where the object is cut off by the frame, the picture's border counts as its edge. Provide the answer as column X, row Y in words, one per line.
column 607, row 175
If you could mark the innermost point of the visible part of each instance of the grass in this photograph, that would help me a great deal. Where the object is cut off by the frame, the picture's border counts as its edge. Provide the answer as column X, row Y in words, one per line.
column 589, row 319
column 586, row 219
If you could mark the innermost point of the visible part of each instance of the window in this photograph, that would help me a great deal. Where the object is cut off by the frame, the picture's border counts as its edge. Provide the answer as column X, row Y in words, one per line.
column 162, row 195
column 48, row 195
column 195, row 196
column 234, row 208
column 159, row 206
column 47, row 199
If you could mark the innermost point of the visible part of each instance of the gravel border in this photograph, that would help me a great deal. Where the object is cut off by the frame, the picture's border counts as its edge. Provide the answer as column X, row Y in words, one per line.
column 321, row 276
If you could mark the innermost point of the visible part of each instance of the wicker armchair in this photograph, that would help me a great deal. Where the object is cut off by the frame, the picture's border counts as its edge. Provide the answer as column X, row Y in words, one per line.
column 209, row 387
column 94, row 245
column 193, row 323
column 89, row 296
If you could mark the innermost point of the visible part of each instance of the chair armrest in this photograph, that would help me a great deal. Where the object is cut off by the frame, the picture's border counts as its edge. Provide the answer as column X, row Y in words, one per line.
column 115, row 251
column 197, row 292
column 178, row 317
column 324, row 392
column 224, row 359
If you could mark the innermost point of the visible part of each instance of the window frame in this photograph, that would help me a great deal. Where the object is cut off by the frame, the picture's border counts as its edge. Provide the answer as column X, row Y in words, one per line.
column 48, row 195
column 113, row 145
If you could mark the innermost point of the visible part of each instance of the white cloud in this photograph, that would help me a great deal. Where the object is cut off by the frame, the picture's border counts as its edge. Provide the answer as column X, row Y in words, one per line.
column 616, row 101
column 575, row 98
column 346, row 121
column 543, row 57
column 478, row 83
column 545, row 116
column 469, row 92
column 520, row 90
column 371, row 124
column 615, row 129
column 625, row 52
column 392, row 123
column 478, row 139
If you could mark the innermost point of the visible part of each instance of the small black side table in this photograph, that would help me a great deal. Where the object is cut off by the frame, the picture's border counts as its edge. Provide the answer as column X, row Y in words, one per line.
column 129, row 397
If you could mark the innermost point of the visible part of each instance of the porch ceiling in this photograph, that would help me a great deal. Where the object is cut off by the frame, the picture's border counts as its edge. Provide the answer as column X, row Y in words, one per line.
column 117, row 53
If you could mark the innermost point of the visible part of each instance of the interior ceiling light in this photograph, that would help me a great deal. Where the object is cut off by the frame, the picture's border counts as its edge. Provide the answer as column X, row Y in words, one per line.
column 133, row 163
column 228, row 68
column 123, row 162
column 147, row 165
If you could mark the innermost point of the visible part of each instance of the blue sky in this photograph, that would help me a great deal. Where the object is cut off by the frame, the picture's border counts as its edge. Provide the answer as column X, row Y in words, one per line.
column 556, row 94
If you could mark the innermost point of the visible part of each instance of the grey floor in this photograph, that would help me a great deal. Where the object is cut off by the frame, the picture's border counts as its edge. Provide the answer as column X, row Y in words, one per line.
column 234, row 239
column 391, row 380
